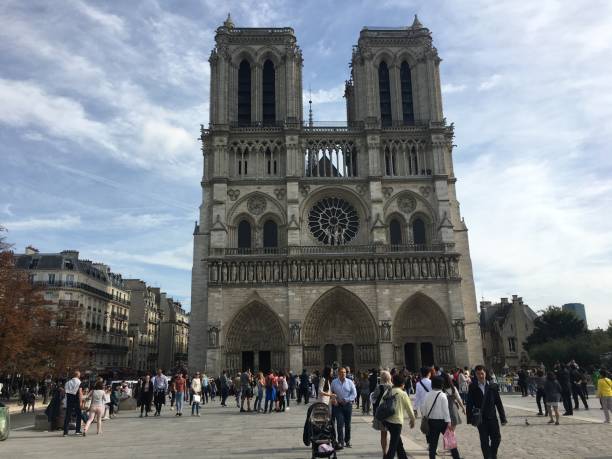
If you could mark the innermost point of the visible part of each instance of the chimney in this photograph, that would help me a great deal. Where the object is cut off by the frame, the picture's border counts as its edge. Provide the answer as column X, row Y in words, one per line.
column 70, row 253
column 30, row 250
column 504, row 301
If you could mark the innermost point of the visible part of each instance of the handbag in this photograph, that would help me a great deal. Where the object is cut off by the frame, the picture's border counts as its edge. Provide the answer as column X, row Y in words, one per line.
column 425, row 419
column 449, row 439
column 386, row 408
column 477, row 412
column 197, row 398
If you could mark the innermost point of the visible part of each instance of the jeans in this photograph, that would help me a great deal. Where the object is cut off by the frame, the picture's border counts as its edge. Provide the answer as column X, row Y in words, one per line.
column 179, row 402
column 396, row 446
column 160, row 398
column 195, row 408
column 342, row 415
column 490, row 438
column 72, row 406
column 303, row 392
column 577, row 392
column 437, row 427
column 566, row 393
column 365, row 401
column 224, row 394
column 539, row 400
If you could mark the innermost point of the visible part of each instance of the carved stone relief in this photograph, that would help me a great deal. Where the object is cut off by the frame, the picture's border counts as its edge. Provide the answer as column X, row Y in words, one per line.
column 406, row 204
column 280, row 193
column 213, row 336
column 256, row 205
column 295, row 332
column 385, row 330
column 233, row 194
column 387, row 191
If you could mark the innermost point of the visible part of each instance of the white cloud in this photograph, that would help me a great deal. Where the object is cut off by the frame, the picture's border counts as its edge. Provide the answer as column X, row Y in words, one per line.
column 25, row 104
column 37, row 224
column 490, row 83
column 178, row 258
column 449, row 88
column 141, row 221
column 111, row 21
column 325, row 96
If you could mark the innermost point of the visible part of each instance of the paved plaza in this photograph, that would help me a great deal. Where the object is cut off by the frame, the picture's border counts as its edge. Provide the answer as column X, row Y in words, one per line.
column 224, row 432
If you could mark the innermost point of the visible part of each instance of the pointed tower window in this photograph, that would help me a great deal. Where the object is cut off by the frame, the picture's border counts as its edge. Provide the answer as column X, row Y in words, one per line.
column 406, row 82
column 270, row 230
column 269, row 99
column 384, row 90
column 244, row 93
column 418, row 232
column 395, row 232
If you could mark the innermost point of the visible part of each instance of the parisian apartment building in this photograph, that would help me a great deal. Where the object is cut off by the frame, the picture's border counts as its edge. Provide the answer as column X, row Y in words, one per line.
column 131, row 327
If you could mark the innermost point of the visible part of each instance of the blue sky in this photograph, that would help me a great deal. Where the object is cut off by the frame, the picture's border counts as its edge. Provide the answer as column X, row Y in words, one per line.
column 101, row 102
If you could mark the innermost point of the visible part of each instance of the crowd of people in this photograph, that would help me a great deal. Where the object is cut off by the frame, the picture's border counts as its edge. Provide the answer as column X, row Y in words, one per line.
column 440, row 398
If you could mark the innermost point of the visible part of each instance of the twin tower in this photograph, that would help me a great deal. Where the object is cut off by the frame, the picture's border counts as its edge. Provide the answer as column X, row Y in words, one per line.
column 340, row 244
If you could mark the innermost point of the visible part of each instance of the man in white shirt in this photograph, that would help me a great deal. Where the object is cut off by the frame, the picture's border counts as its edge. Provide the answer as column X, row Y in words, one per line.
column 73, row 402
column 422, row 388
column 160, row 388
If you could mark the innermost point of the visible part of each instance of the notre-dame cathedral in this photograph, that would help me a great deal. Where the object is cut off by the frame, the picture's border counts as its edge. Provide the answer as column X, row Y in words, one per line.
column 329, row 244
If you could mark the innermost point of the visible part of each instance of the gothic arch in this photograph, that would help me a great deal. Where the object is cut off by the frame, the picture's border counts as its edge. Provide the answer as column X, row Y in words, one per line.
column 268, row 52
column 421, row 333
column 340, row 318
column 272, row 206
column 244, row 53
column 422, row 205
column 384, row 55
column 255, row 328
column 407, row 56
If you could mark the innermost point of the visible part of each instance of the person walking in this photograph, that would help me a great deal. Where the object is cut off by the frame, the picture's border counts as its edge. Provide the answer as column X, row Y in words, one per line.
column 205, row 388
column 563, row 376
column 325, row 393
column 394, row 423
column 342, row 406
column 436, row 408
column 145, row 395
column 422, row 388
column 160, row 388
column 96, row 408
column 196, row 390
column 604, row 392
column 454, row 400
column 575, row 379
column 179, row 386
column 73, row 393
column 540, row 393
column 224, row 385
column 482, row 401
column 364, row 393
column 552, row 397
column 463, row 380
column 376, row 397
column 304, row 389
column 245, row 390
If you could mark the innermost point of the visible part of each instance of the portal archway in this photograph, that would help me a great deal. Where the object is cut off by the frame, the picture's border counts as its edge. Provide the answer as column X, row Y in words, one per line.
column 340, row 324
column 255, row 339
column 421, row 334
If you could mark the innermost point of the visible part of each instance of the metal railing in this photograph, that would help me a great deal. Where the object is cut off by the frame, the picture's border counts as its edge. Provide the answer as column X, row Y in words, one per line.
column 81, row 286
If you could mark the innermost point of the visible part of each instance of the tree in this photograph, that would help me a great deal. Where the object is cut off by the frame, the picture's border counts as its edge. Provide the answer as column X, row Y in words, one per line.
column 553, row 324
column 35, row 338
column 587, row 349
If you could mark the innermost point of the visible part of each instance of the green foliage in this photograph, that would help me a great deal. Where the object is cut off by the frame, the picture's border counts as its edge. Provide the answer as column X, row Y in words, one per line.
column 555, row 324
column 587, row 349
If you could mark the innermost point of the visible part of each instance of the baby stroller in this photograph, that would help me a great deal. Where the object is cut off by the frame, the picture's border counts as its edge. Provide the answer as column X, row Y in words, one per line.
column 319, row 431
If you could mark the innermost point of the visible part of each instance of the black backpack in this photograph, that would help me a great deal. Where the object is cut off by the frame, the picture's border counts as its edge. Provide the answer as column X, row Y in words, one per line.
column 386, row 408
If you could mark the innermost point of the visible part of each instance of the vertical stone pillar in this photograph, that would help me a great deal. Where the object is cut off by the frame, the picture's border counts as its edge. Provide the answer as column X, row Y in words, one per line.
column 256, row 93
column 396, row 93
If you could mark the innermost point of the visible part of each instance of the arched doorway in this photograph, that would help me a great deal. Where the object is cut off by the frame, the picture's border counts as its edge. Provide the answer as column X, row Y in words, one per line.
column 340, row 328
column 421, row 334
column 255, row 339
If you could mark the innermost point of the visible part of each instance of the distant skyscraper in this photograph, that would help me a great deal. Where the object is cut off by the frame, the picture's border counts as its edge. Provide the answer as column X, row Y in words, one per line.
column 576, row 308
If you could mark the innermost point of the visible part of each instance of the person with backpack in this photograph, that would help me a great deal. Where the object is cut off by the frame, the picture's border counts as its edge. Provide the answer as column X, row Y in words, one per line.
column 376, row 397
column 436, row 409
column 394, row 406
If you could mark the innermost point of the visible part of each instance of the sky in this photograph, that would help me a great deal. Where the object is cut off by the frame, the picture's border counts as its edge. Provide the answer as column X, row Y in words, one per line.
column 101, row 104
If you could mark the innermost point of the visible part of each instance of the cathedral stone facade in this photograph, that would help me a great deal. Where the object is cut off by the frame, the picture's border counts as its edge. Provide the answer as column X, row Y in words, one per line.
column 329, row 244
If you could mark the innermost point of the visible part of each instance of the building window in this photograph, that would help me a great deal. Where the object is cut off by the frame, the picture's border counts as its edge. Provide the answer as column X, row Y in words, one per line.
column 512, row 344
column 419, row 234
column 406, row 83
column 270, row 230
column 268, row 94
column 395, row 232
column 244, row 235
column 384, row 91
column 244, row 93
column 52, row 278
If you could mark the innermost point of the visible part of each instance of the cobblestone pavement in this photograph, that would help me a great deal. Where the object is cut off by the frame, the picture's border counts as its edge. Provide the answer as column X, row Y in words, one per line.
column 224, row 432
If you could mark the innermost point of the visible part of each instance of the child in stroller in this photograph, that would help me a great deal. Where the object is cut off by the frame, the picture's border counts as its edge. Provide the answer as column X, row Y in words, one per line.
column 319, row 431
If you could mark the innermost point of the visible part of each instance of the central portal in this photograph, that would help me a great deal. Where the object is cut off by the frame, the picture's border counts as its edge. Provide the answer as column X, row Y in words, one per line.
column 340, row 328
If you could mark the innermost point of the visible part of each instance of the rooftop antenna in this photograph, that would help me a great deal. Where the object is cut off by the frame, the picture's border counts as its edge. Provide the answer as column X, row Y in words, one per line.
column 310, row 123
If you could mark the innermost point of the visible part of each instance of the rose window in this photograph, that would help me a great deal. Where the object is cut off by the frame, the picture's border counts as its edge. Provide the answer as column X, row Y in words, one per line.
column 333, row 221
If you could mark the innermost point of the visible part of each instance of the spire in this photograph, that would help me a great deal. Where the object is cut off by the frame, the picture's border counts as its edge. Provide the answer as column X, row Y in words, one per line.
column 310, row 123
column 416, row 24
column 228, row 24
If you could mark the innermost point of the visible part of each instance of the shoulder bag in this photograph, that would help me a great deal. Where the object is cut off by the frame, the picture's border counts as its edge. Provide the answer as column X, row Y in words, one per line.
column 425, row 419
column 386, row 409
